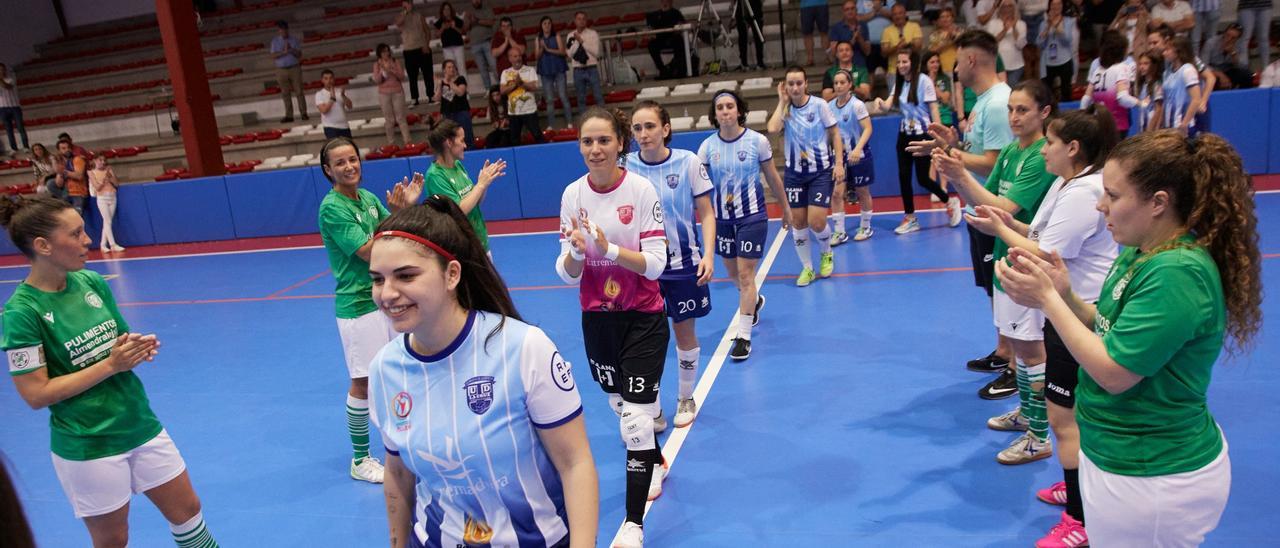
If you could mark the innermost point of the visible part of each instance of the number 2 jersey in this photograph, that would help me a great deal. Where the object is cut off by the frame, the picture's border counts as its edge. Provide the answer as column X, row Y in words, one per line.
column 465, row 421
column 678, row 180
column 734, row 169
column 631, row 216
column 806, row 143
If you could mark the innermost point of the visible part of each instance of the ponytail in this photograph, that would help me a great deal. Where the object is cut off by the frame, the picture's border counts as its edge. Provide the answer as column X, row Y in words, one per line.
column 1094, row 128
column 29, row 218
column 1212, row 194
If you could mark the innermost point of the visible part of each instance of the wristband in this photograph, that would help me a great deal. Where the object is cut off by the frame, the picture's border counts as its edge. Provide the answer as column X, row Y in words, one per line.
column 577, row 256
column 612, row 252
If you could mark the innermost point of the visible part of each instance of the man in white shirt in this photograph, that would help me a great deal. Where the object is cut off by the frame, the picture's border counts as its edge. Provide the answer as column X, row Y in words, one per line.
column 584, row 54
column 11, row 109
column 333, row 104
column 1176, row 14
column 518, row 83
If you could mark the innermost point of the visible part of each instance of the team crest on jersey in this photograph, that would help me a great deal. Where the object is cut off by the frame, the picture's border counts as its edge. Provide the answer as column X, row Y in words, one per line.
column 92, row 299
column 742, row 155
column 715, row 156
column 1118, row 290
column 479, row 392
column 402, row 405
column 561, row 373
column 673, row 181
column 626, row 214
column 657, row 212
column 612, row 288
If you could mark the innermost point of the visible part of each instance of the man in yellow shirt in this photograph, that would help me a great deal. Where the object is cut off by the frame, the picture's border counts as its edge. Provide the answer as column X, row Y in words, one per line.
column 901, row 32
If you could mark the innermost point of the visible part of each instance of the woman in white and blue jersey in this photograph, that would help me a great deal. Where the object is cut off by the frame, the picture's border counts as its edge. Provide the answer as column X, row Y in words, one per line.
column 815, row 161
column 478, row 411
column 1181, row 87
column 854, row 123
column 1149, row 83
column 736, row 159
column 913, row 94
column 682, row 184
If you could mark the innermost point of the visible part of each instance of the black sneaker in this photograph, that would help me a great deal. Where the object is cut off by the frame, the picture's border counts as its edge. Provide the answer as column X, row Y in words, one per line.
column 755, row 315
column 741, row 349
column 1004, row 386
column 993, row 363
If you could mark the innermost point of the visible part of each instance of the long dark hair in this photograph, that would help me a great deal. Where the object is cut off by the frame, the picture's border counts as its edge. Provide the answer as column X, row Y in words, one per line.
column 1152, row 82
column 1094, row 128
column 1112, row 47
column 440, row 221
column 29, row 218
column 914, row 76
column 543, row 34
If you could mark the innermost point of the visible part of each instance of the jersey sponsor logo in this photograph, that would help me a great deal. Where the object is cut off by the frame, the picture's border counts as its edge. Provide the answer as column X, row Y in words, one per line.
column 453, row 466
column 635, row 465
column 742, row 155
column 673, row 181
column 92, row 299
column 657, row 212
column 479, row 392
column 476, row 532
column 402, row 405
column 612, row 288
column 626, row 214
column 561, row 372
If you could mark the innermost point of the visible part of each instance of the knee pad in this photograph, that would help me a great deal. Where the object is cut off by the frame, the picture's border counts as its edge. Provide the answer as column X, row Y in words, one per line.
column 637, row 427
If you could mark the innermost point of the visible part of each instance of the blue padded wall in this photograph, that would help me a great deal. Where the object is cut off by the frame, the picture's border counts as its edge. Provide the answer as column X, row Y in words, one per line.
column 190, row 210
column 273, row 203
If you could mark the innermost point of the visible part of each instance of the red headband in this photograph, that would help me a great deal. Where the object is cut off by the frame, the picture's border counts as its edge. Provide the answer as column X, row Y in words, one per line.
column 430, row 245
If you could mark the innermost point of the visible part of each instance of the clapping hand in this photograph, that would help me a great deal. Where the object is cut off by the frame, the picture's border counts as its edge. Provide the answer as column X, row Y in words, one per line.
column 989, row 220
column 406, row 193
column 491, row 171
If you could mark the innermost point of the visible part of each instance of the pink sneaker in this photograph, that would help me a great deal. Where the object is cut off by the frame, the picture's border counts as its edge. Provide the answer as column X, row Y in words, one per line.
column 1054, row 494
column 1068, row 533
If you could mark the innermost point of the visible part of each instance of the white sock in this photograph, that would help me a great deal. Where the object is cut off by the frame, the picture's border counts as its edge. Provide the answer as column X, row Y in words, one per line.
column 688, row 361
column 865, row 219
column 744, row 326
column 801, row 238
column 193, row 533
column 824, row 239
column 839, row 220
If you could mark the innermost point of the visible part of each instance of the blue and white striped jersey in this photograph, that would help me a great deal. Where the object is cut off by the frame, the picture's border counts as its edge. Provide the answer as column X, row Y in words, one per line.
column 734, row 168
column 678, row 179
column 806, row 147
column 1176, row 97
column 465, row 422
column 916, row 116
column 849, row 121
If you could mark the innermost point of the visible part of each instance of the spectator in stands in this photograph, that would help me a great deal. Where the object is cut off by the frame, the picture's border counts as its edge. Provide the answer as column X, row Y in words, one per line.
column 286, row 50
column 584, row 55
column 845, row 61
column 553, row 69
column 1255, row 17
column 333, row 104
column 901, row 34
column 849, row 29
column 518, row 83
column 1132, row 21
column 943, row 88
column 1011, row 34
column 503, row 43
column 932, row 9
column 452, row 41
column 1205, row 14
column 1059, row 43
column 1098, row 15
column 814, row 18
column 1222, row 53
column 103, row 185
column 1175, row 14
column 11, row 109
column 46, row 166
column 942, row 40
column 666, row 17
column 79, row 150
column 977, row 13
column 451, row 91
column 1270, row 76
column 73, row 176
column 1032, row 12
column 750, row 24
column 480, row 21
column 501, row 134
column 415, row 38
column 874, row 14
column 390, row 77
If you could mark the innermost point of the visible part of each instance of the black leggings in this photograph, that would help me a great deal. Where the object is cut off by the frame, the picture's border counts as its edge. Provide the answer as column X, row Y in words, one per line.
column 921, row 163
column 1062, row 73
column 745, row 29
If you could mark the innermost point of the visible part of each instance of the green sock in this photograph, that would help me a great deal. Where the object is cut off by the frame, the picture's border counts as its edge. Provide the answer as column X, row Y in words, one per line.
column 358, row 427
column 1034, row 410
column 1024, row 387
column 193, row 534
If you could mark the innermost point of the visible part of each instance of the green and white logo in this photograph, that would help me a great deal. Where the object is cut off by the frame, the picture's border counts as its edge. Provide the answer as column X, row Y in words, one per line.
column 93, row 299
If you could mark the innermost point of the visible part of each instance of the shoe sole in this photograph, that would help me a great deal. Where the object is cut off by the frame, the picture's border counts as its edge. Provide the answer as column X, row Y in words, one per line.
column 989, row 396
column 1044, row 455
column 755, row 315
column 358, row 478
column 1047, row 501
column 1005, row 429
column 985, row 369
column 805, row 284
column 686, row 423
column 739, row 358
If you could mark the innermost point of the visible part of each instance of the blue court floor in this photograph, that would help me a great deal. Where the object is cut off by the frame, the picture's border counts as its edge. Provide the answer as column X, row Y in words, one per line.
column 854, row 422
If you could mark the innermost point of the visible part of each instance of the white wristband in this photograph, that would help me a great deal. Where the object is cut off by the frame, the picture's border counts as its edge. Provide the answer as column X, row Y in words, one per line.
column 612, row 252
column 576, row 255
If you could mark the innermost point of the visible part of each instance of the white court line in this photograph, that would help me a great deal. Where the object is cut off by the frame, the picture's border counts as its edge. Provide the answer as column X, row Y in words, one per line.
column 676, row 440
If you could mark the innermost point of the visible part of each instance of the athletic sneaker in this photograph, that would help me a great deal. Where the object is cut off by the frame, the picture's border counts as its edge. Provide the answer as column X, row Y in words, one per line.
column 863, row 234
column 1008, row 422
column 655, row 481
column 907, row 227
column 631, row 536
column 826, row 264
column 1068, row 533
column 839, row 238
column 993, row 363
column 741, row 349
column 933, row 198
column 954, row 213
column 1025, row 449
column 805, row 278
column 1004, row 386
column 1054, row 494
column 755, row 315
column 660, row 424
column 366, row 469
column 686, row 410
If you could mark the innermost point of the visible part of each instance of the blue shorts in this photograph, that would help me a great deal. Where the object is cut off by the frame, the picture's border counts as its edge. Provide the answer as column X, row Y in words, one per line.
column 808, row 189
column 742, row 237
column 817, row 16
column 684, row 297
column 860, row 174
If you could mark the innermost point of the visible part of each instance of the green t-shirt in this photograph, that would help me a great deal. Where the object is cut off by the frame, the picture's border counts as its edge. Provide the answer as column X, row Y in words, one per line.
column 1020, row 176
column 453, row 183
column 941, row 84
column 1163, row 318
column 859, row 73
column 65, row 332
column 345, row 225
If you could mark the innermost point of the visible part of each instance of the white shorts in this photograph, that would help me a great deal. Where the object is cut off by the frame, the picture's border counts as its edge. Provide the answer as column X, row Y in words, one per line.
column 101, row 486
column 1016, row 321
column 1168, row 511
column 362, row 338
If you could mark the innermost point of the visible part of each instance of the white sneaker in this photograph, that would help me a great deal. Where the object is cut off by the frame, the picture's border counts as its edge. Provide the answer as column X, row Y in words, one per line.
column 655, row 482
column 367, row 469
column 686, row 410
column 907, row 226
column 660, row 424
column 119, row 248
column 631, row 536
column 1008, row 422
column 934, row 199
column 954, row 213
column 1026, row 448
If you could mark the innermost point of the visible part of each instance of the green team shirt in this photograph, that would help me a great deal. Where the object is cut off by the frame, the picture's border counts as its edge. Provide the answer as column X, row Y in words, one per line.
column 1020, row 176
column 453, row 183
column 859, row 73
column 943, row 83
column 1162, row 317
column 65, row 332
column 345, row 225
